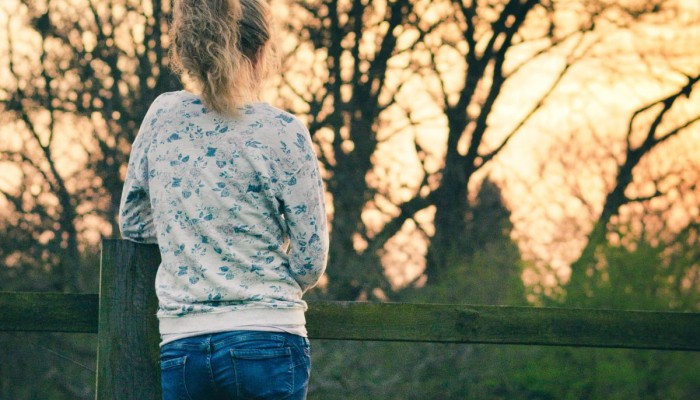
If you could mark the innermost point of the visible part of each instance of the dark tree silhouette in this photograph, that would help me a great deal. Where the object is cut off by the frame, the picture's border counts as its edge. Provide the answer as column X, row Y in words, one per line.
column 640, row 142
column 81, row 77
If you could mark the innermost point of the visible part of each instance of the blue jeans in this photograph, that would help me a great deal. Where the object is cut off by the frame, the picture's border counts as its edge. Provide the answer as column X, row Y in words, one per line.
column 236, row 365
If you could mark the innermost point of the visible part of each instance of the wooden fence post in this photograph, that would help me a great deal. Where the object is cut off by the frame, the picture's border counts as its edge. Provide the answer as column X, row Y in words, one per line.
column 127, row 351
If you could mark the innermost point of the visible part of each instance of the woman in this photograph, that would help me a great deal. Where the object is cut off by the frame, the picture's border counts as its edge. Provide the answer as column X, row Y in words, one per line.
column 229, row 189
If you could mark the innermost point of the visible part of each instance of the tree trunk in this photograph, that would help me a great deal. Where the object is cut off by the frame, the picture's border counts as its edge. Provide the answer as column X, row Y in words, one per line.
column 448, row 245
column 345, row 273
column 351, row 273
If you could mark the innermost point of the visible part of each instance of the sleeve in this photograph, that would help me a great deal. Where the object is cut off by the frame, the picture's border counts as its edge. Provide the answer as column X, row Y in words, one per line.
column 304, row 213
column 135, row 213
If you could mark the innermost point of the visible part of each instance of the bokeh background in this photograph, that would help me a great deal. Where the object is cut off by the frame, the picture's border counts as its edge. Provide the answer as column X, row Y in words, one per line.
column 520, row 152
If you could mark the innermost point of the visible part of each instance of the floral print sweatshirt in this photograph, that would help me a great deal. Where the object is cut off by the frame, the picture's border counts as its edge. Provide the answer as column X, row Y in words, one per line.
column 236, row 206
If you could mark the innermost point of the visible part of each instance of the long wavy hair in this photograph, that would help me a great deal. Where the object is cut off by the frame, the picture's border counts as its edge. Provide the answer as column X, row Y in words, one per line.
column 224, row 48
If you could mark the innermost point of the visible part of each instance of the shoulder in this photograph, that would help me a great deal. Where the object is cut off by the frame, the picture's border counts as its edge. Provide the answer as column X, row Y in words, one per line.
column 281, row 131
column 171, row 107
column 277, row 125
column 180, row 97
column 265, row 112
column 163, row 101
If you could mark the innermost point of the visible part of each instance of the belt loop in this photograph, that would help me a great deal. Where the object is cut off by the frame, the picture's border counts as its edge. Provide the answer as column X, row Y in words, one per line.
column 210, row 345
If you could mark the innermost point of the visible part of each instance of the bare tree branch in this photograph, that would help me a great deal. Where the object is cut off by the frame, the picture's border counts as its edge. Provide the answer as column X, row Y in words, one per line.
column 571, row 60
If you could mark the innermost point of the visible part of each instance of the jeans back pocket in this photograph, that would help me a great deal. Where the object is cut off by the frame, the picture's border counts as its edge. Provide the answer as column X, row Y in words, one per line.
column 265, row 373
column 172, row 381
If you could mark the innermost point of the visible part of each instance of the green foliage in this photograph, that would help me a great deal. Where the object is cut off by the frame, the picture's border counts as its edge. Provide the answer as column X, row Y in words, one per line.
column 490, row 272
column 571, row 373
column 645, row 276
column 492, row 276
column 642, row 276
column 377, row 370
column 47, row 366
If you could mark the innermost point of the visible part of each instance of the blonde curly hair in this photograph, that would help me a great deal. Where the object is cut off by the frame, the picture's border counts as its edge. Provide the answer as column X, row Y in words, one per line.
column 224, row 48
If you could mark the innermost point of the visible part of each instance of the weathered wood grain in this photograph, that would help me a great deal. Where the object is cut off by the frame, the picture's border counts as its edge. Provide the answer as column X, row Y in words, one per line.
column 127, row 349
column 408, row 322
column 504, row 325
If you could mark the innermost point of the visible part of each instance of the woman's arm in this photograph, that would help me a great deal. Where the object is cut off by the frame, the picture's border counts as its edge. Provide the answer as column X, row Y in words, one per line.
column 305, row 215
column 135, row 213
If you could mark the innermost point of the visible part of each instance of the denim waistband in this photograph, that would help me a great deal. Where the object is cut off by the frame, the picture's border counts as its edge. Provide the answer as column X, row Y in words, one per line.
column 213, row 341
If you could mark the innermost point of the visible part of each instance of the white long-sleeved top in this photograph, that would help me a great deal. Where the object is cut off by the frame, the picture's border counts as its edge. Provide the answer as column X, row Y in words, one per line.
column 236, row 206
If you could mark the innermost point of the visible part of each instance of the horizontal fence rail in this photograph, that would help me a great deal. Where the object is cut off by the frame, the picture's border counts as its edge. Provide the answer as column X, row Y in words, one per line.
column 123, row 316
column 51, row 312
column 48, row 312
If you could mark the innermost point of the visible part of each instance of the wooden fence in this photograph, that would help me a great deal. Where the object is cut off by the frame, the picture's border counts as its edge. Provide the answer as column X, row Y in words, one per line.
column 123, row 316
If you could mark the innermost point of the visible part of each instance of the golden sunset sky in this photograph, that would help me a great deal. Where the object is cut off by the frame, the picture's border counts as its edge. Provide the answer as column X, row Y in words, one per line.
column 554, row 173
